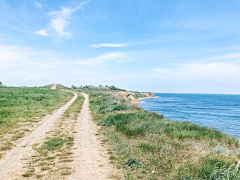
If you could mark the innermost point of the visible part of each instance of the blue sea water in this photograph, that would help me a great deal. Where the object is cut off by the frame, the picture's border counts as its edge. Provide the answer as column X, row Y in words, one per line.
column 219, row 111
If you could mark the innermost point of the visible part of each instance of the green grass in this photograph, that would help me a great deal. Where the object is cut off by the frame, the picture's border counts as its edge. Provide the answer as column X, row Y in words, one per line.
column 54, row 143
column 23, row 106
column 17, row 103
column 144, row 141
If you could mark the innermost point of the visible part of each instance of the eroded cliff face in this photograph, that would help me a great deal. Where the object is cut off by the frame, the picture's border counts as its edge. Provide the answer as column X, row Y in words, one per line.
column 132, row 96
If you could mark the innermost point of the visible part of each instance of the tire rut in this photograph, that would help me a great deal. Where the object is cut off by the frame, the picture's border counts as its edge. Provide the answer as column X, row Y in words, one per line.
column 15, row 154
column 91, row 161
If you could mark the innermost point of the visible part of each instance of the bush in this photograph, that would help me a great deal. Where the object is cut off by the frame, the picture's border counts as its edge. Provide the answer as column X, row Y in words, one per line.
column 121, row 107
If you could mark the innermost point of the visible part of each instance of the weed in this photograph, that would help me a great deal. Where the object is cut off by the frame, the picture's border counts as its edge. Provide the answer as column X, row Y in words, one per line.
column 132, row 162
column 54, row 143
column 146, row 146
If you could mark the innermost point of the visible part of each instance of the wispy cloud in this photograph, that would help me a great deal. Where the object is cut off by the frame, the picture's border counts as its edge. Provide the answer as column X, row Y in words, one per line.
column 107, row 45
column 20, row 56
column 42, row 32
column 37, row 5
column 197, row 71
column 20, row 64
column 101, row 59
column 60, row 20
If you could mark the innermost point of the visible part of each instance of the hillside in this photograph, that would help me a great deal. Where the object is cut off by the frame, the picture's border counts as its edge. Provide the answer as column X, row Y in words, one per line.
column 58, row 86
column 54, row 132
column 147, row 146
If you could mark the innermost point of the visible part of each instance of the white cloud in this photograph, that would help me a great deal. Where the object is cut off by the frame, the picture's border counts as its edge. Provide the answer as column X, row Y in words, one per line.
column 42, row 32
column 60, row 20
column 227, row 56
column 19, row 61
column 197, row 71
column 101, row 59
column 162, row 70
column 106, row 45
column 38, row 5
column 106, row 56
column 10, row 54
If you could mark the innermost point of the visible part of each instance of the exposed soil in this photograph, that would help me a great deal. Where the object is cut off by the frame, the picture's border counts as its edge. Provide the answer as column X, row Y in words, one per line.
column 54, row 86
column 91, row 161
column 9, row 165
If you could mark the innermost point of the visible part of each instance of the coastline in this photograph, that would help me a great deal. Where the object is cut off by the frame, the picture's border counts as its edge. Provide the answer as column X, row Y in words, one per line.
column 142, row 134
column 146, row 98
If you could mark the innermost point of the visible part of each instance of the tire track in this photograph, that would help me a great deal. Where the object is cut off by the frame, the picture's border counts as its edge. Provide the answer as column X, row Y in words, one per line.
column 7, row 164
column 91, row 161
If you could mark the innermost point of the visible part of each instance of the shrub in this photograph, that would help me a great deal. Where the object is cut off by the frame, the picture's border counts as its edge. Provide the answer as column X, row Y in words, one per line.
column 121, row 107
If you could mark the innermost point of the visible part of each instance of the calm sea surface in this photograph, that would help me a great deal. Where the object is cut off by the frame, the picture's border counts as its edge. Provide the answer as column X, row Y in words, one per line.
column 220, row 112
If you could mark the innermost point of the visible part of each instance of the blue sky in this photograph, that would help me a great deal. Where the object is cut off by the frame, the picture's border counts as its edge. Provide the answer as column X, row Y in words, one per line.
column 174, row 46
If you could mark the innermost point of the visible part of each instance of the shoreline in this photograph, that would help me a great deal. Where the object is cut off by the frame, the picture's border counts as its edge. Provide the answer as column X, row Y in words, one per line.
column 146, row 98
column 145, row 134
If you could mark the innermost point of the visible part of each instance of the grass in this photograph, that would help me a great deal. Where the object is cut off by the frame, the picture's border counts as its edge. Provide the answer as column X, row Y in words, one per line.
column 147, row 146
column 54, row 143
column 21, row 107
column 53, row 155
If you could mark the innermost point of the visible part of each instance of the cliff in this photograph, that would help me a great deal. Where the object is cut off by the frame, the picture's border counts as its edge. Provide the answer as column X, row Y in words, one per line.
column 132, row 96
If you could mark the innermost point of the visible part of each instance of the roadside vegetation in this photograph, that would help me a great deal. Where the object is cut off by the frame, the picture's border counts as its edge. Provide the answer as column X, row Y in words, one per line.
column 147, row 146
column 22, row 108
column 52, row 157
column 99, row 88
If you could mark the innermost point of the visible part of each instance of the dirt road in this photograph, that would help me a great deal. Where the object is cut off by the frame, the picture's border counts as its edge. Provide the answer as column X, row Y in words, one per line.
column 91, row 161
column 8, row 164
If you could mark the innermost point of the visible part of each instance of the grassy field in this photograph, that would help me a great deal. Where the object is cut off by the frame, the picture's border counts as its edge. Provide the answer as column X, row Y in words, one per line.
column 147, row 146
column 20, row 108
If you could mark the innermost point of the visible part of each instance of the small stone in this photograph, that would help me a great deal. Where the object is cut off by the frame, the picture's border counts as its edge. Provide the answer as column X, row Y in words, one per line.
column 153, row 171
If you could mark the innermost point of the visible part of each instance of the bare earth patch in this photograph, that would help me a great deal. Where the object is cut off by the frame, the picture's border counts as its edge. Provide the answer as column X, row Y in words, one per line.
column 91, row 161
column 54, row 86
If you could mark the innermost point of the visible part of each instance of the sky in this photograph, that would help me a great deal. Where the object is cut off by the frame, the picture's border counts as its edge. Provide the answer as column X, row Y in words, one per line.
column 171, row 46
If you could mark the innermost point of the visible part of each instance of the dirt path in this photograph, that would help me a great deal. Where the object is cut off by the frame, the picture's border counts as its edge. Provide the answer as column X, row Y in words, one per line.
column 8, row 165
column 91, row 161
column 54, row 86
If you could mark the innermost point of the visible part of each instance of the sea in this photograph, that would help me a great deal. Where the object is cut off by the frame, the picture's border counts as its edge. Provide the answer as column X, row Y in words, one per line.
column 218, row 111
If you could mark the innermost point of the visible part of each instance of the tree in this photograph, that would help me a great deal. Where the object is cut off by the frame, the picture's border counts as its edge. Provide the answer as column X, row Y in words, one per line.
column 1, row 84
column 74, row 87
